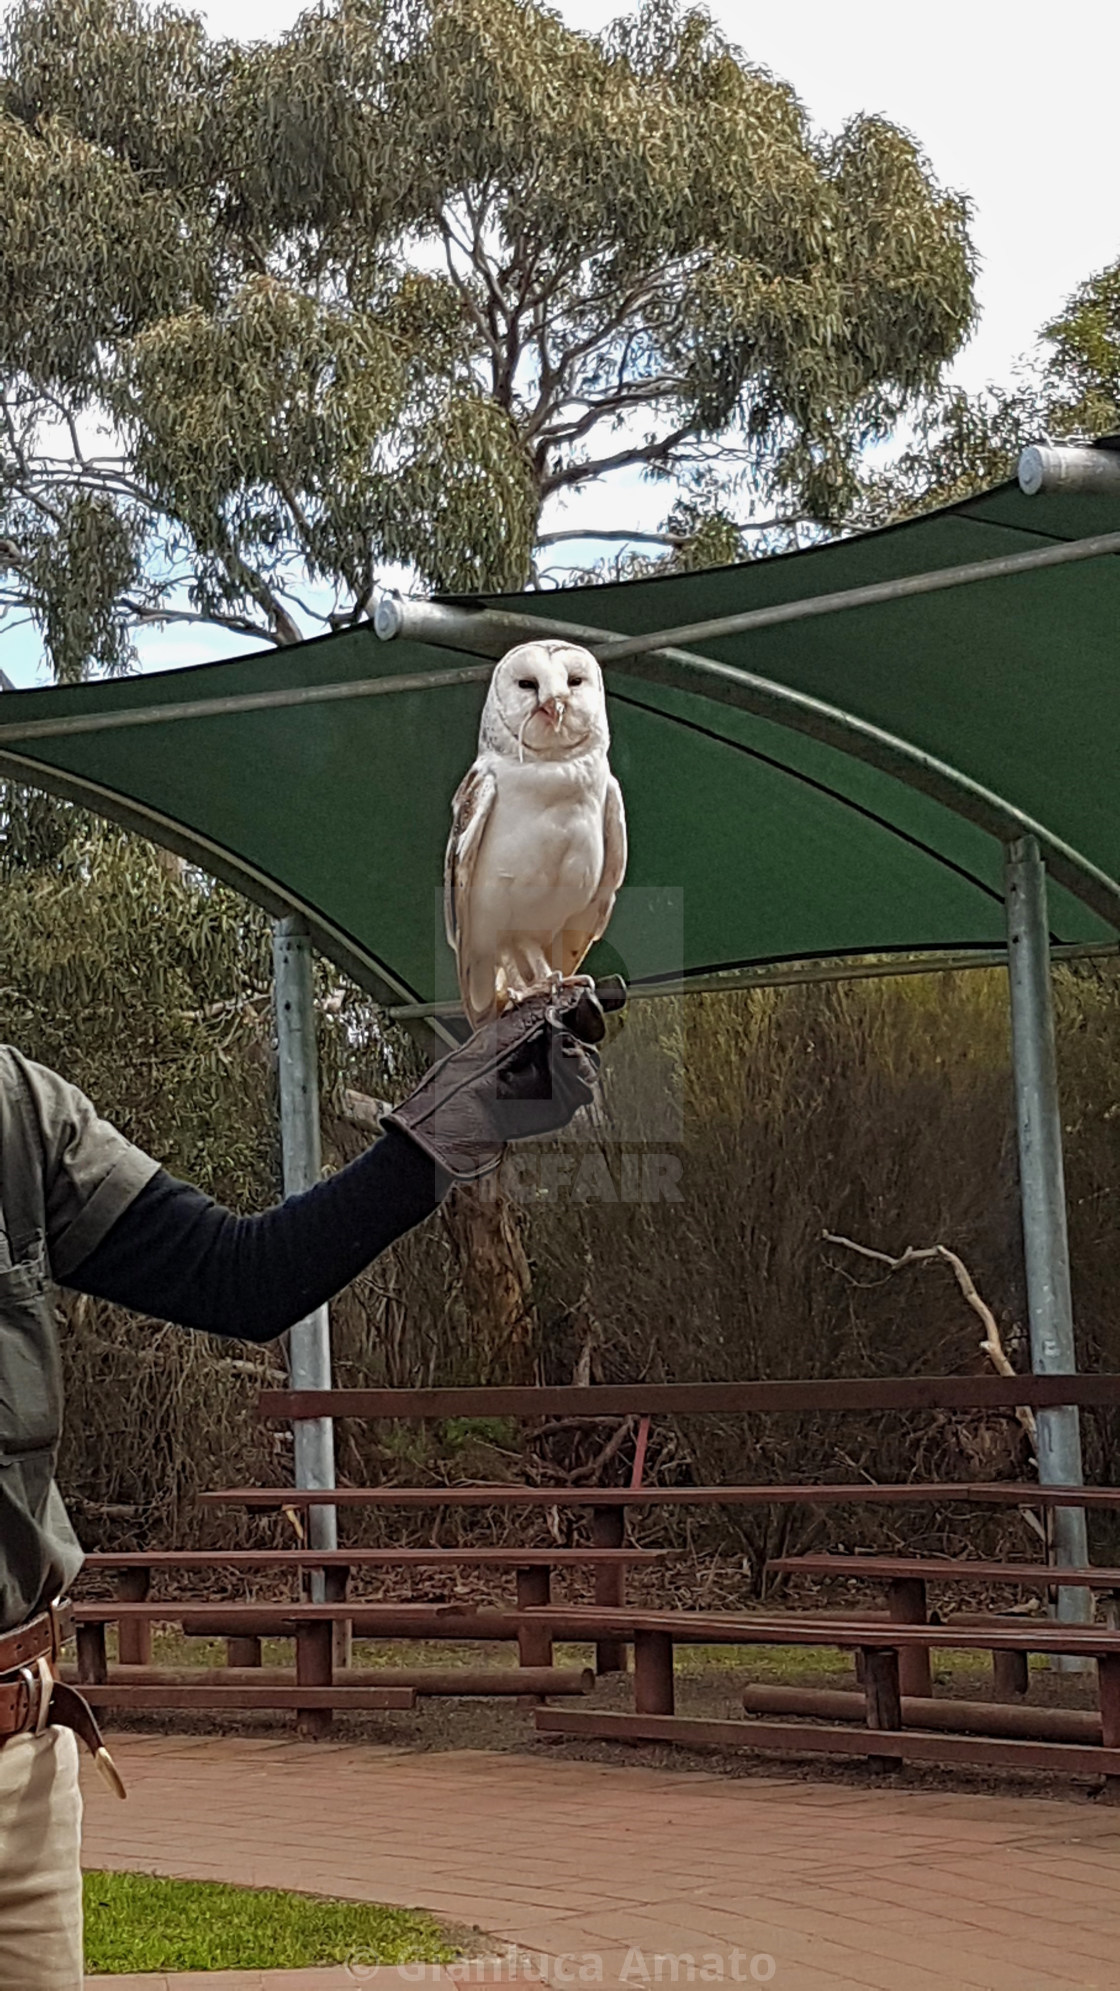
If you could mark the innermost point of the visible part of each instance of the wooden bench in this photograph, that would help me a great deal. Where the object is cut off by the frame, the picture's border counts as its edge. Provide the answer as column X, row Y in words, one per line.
column 533, row 1570
column 840, row 1394
column 906, row 1580
column 137, row 1686
column 654, row 1636
column 533, row 1619
column 315, row 1687
column 645, row 1401
column 885, row 1736
column 808, row 1493
column 609, row 1507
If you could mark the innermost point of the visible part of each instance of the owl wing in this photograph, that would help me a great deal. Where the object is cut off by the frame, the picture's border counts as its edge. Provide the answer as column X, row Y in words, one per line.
column 470, row 811
column 581, row 932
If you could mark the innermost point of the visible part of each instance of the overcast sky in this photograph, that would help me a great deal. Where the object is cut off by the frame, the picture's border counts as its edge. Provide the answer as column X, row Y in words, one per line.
column 1012, row 100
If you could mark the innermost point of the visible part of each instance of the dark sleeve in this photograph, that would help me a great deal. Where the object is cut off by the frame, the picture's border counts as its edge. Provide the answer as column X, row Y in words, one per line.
column 178, row 1255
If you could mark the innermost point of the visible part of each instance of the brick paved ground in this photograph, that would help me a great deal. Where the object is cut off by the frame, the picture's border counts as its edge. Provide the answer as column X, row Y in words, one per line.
column 601, row 1869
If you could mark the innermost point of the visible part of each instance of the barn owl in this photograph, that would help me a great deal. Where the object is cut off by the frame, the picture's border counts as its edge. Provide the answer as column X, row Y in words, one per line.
column 537, row 849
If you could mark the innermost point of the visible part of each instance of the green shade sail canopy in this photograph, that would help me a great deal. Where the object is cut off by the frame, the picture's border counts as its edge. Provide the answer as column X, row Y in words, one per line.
column 752, row 844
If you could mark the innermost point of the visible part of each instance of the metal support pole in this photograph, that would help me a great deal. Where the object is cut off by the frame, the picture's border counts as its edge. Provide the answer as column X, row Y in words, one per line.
column 309, row 1342
column 1042, row 1183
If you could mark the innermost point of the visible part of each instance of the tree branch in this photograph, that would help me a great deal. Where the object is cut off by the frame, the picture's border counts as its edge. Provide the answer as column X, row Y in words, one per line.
column 581, row 473
column 637, row 538
column 240, row 624
column 639, row 394
column 992, row 1343
column 20, row 454
column 481, row 323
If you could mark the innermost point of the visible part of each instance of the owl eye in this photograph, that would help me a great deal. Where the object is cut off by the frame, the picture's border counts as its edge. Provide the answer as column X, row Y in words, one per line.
column 573, row 682
column 527, row 684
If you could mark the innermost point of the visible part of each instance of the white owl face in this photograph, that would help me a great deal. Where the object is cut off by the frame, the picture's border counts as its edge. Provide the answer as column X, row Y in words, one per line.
column 546, row 702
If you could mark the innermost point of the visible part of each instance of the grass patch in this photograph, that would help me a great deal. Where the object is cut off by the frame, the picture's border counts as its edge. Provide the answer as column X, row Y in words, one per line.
column 139, row 1922
column 788, row 1665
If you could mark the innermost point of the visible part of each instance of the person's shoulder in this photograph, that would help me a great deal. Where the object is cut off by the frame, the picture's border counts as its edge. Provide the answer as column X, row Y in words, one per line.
column 57, row 1104
column 15, row 1065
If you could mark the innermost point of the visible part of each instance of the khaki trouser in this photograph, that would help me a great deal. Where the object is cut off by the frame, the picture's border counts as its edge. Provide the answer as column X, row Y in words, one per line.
column 40, row 1875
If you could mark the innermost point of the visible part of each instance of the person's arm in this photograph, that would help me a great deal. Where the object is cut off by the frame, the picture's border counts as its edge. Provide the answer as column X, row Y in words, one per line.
column 174, row 1253
column 178, row 1255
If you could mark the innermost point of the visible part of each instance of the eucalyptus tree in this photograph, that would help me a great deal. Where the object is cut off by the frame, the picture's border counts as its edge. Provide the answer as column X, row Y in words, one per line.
column 1067, row 390
column 272, row 315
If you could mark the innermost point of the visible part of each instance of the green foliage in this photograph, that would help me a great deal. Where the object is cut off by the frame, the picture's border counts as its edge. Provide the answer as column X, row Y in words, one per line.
column 138, row 1922
column 1083, row 373
column 90, row 251
column 459, row 1432
column 377, row 290
column 965, row 443
column 78, row 565
column 108, row 948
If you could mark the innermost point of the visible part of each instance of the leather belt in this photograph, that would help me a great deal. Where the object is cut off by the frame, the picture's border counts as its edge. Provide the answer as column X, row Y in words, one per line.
column 40, row 1638
column 32, row 1699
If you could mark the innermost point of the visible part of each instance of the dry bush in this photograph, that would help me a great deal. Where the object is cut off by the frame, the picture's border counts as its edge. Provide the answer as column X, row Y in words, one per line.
column 880, row 1110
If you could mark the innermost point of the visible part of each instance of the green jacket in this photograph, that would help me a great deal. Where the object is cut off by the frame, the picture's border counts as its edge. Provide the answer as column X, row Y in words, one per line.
column 65, row 1178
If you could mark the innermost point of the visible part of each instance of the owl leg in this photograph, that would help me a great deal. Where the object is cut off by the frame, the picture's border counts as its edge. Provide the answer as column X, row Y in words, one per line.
column 523, row 972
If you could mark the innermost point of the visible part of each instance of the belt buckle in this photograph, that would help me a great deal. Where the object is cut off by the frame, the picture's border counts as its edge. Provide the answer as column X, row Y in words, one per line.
column 38, row 1684
column 62, row 1627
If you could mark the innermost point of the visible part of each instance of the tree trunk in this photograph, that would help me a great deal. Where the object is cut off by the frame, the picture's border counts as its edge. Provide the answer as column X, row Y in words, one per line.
column 485, row 1230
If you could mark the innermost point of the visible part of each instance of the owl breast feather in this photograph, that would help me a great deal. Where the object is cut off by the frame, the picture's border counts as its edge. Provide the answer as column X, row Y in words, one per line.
column 544, row 841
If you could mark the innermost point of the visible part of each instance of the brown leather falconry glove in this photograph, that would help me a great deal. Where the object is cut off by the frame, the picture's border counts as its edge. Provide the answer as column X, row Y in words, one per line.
column 517, row 1078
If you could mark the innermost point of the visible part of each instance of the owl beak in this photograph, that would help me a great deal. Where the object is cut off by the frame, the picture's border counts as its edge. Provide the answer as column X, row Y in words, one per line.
column 554, row 707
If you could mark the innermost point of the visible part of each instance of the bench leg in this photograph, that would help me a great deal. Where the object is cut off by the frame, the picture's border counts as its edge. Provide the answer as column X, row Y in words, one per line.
column 1108, row 1689
column 314, row 1668
column 906, row 1605
column 243, row 1652
column 534, row 1642
column 1010, row 1675
column 93, row 1666
column 134, row 1639
column 336, row 1583
column 653, row 1673
column 884, row 1697
column 608, row 1527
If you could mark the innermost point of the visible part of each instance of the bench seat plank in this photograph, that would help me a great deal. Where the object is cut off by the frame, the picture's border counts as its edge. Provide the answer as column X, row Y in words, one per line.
column 585, row 1623
column 431, row 1558
column 574, row 1623
column 941, row 1569
column 814, row 1393
column 1067, row 1759
column 234, row 1700
column 999, row 1493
